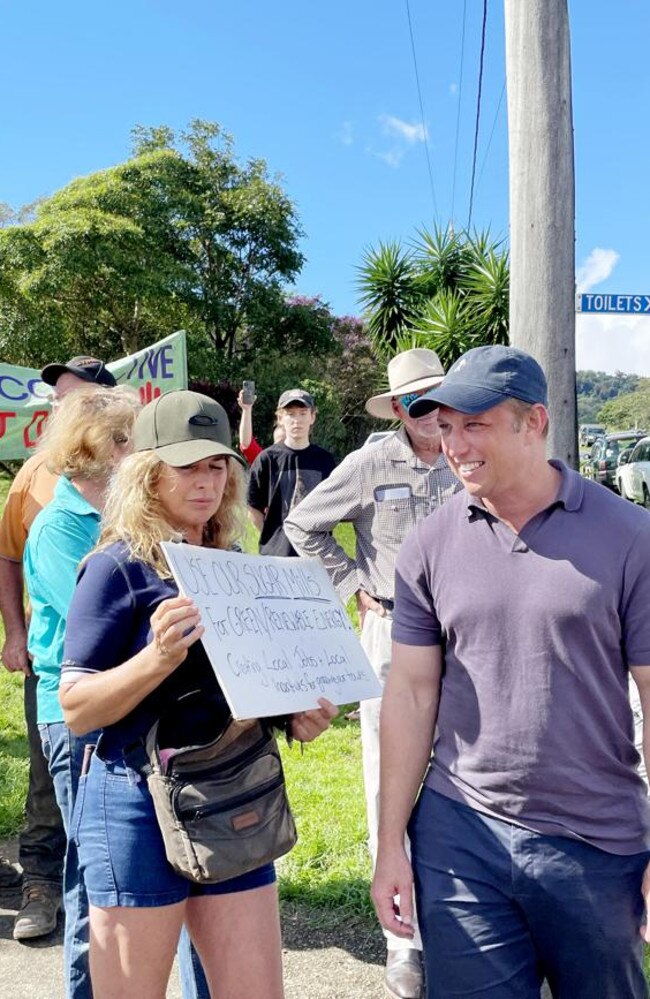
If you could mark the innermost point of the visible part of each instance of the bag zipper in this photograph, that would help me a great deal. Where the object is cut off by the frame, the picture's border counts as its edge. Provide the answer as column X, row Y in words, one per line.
column 202, row 811
column 214, row 766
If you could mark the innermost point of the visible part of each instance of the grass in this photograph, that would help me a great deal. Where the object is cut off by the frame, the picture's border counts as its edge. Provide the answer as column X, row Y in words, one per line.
column 14, row 762
column 328, row 870
column 329, row 867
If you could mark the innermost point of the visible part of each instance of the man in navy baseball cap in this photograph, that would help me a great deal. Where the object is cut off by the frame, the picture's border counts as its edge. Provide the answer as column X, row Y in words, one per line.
column 483, row 378
column 507, row 734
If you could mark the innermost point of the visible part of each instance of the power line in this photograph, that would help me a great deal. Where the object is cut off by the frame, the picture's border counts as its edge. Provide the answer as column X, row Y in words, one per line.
column 494, row 125
column 478, row 114
column 460, row 98
column 425, row 135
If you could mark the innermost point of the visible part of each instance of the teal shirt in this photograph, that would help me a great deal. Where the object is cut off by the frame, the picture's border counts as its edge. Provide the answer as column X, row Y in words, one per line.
column 62, row 534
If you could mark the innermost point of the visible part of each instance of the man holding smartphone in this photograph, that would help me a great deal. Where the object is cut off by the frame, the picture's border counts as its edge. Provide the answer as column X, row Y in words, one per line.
column 383, row 489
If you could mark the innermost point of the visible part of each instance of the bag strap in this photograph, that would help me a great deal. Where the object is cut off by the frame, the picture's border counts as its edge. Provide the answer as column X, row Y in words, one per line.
column 135, row 757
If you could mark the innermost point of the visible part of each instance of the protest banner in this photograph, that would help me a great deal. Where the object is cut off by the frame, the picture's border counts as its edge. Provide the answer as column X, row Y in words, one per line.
column 276, row 633
column 25, row 400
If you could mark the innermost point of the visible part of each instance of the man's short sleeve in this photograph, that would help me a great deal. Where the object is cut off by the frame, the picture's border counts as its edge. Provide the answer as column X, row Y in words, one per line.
column 31, row 490
column 330, row 464
column 415, row 621
column 258, row 484
column 635, row 620
column 100, row 620
column 13, row 528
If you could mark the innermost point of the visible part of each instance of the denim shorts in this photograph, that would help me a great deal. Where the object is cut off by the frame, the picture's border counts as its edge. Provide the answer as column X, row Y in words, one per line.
column 121, row 850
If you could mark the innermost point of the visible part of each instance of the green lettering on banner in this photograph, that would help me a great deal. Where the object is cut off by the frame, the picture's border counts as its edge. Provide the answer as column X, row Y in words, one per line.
column 25, row 399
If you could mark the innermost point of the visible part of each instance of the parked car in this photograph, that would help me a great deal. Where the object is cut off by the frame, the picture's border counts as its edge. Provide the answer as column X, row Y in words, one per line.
column 603, row 458
column 633, row 473
column 590, row 432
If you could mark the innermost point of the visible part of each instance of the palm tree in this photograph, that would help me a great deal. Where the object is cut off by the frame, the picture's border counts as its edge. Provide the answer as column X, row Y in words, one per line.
column 388, row 283
column 448, row 292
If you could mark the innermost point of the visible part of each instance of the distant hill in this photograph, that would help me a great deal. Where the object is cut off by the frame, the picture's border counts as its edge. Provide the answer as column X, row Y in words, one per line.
column 595, row 388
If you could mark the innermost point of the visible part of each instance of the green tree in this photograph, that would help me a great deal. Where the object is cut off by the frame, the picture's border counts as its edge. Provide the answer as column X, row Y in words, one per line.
column 629, row 410
column 180, row 235
column 448, row 291
column 595, row 388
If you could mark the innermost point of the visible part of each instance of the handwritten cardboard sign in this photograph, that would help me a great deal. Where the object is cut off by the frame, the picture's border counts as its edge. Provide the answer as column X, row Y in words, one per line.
column 276, row 632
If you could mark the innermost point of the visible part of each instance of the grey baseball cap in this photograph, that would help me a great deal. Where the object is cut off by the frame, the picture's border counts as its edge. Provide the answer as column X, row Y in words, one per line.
column 484, row 377
column 296, row 397
column 183, row 427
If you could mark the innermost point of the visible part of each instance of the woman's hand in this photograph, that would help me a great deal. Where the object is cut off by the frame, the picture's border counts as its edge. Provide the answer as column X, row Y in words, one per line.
column 308, row 725
column 175, row 624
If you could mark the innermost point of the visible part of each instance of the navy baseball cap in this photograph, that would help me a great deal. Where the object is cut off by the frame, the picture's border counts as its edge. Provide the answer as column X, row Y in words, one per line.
column 89, row 369
column 484, row 377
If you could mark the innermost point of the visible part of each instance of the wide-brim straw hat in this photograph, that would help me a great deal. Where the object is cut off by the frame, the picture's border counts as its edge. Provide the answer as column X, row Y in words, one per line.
column 410, row 371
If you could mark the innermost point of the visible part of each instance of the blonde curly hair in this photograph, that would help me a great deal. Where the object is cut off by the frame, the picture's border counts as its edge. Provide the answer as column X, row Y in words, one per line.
column 134, row 514
column 80, row 437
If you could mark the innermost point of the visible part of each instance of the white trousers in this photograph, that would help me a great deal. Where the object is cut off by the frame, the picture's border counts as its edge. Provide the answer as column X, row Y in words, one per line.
column 376, row 642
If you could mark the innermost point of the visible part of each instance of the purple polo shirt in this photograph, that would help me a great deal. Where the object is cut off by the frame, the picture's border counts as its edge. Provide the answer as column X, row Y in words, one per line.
column 538, row 630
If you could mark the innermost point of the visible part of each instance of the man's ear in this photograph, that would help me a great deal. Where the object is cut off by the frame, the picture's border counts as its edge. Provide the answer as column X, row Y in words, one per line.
column 394, row 405
column 537, row 417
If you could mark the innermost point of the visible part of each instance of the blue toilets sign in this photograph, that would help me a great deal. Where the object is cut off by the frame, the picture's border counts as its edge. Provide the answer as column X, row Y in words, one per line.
column 634, row 305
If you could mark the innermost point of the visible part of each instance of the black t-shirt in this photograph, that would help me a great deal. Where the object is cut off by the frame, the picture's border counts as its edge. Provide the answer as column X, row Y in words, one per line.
column 280, row 477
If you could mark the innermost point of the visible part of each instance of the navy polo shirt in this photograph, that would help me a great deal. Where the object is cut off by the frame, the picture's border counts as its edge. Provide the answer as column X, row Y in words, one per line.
column 109, row 622
column 539, row 629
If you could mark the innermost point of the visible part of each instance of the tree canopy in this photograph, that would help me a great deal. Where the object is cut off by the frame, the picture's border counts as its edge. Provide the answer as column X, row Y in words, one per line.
column 629, row 409
column 179, row 235
column 595, row 388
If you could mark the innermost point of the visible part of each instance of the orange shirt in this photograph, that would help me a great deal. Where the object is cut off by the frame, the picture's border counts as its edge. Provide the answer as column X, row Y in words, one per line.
column 31, row 490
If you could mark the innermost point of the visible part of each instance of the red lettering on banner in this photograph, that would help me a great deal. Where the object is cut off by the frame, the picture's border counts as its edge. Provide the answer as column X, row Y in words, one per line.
column 148, row 392
column 37, row 421
column 4, row 417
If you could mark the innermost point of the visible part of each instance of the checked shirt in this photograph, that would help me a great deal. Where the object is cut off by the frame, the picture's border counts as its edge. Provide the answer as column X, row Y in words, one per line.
column 383, row 490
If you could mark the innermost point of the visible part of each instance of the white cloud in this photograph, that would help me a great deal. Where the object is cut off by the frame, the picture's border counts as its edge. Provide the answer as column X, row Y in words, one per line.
column 410, row 132
column 345, row 134
column 597, row 267
column 613, row 343
column 393, row 157
column 405, row 135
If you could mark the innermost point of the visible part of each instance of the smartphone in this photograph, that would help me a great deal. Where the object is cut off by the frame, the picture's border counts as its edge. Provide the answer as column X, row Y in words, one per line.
column 248, row 393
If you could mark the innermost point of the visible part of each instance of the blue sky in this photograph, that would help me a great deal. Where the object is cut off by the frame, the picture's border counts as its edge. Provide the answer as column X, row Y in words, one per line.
column 327, row 95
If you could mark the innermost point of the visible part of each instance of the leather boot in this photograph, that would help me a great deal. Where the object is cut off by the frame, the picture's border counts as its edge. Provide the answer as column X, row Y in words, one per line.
column 403, row 976
column 39, row 910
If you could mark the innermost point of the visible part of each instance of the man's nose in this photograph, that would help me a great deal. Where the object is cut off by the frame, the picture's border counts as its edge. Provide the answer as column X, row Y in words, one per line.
column 454, row 443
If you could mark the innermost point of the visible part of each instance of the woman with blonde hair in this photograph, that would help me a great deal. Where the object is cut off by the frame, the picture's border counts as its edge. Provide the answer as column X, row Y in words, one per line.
column 86, row 439
column 132, row 656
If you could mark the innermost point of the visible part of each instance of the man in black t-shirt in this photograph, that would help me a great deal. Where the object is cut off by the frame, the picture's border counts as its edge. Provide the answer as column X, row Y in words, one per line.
column 286, row 472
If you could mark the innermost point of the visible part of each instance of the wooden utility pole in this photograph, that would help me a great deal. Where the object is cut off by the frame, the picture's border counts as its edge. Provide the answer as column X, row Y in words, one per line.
column 542, row 204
